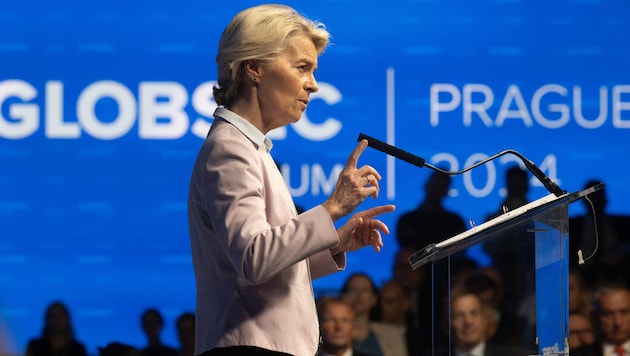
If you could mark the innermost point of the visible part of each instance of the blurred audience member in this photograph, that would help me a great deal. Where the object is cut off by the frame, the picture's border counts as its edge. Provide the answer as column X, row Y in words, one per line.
column 394, row 304
column 612, row 305
column 516, row 190
column 612, row 313
column 152, row 325
column 57, row 337
column 118, row 349
column 336, row 318
column 370, row 337
column 417, row 286
column 580, row 296
column 580, row 331
column 430, row 222
column 185, row 325
column 504, row 326
column 469, row 328
column 411, row 280
column 395, row 309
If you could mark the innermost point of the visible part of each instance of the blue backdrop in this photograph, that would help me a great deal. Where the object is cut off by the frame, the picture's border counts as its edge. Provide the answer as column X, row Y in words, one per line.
column 104, row 105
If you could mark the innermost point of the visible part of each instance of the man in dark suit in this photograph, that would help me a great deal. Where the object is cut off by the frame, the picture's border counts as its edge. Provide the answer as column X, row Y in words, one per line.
column 612, row 310
column 469, row 328
column 336, row 318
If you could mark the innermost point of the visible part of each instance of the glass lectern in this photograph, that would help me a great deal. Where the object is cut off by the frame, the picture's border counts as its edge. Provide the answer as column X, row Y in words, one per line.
column 530, row 250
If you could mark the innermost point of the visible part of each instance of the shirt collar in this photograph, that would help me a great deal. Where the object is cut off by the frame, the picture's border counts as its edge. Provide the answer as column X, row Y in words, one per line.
column 348, row 352
column 609, row 349
column 478, row 350
column 245, row 127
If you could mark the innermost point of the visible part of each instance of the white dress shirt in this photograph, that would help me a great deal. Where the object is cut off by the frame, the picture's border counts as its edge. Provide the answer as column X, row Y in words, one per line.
column 609, row 349
column 478, row 350
column 347, row 353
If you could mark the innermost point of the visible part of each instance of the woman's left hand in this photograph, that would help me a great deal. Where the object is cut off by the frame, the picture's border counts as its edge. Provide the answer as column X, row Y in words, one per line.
column 363, row 230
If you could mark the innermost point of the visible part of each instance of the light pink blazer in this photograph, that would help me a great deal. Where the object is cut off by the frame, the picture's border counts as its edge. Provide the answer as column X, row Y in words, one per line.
column 254, row 258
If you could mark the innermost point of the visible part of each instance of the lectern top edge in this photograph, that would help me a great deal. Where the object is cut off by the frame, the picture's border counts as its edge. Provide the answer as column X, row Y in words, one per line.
column 458, row 242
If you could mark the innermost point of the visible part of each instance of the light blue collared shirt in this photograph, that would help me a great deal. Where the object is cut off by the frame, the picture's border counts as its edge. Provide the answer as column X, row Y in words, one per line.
column 245, row 127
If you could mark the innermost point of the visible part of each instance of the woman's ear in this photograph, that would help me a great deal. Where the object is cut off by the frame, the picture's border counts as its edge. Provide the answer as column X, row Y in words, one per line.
column 253, row 69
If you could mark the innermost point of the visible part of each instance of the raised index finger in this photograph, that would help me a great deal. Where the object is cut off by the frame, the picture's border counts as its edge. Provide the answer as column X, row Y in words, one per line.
column 353, row 160
column 378, row 210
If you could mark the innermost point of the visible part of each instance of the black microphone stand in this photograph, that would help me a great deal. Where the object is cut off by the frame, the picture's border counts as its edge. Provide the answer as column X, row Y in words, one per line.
column 551, row 186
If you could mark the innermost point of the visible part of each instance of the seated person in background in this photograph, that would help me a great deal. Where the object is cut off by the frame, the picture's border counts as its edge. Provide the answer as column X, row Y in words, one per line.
column 580, row 295
column 395, row 309
column 580, row 331
column 612, row 313
column 504, row 325
column 370, row 337
column 468, row 328
column 152, row 325
column 394, row 305
column 57, row 336
column 336, row 318
column 417, row 286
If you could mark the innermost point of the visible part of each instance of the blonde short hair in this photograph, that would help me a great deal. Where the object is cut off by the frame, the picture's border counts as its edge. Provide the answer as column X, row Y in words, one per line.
column 259, row 33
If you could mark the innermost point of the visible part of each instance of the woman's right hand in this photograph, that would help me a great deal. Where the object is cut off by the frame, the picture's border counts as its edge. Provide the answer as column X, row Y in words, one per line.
column 353, row 186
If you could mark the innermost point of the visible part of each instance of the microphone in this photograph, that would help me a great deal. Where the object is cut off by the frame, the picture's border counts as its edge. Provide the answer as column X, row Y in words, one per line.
column 546, row 181
column 421, row 162
column 393, row 151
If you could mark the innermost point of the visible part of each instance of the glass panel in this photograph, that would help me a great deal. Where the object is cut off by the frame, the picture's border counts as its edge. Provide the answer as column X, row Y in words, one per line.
column 552, row 285
column 519, row 302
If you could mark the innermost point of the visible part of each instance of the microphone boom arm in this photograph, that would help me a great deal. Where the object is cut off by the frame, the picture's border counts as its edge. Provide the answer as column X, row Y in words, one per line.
column 551, row 186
